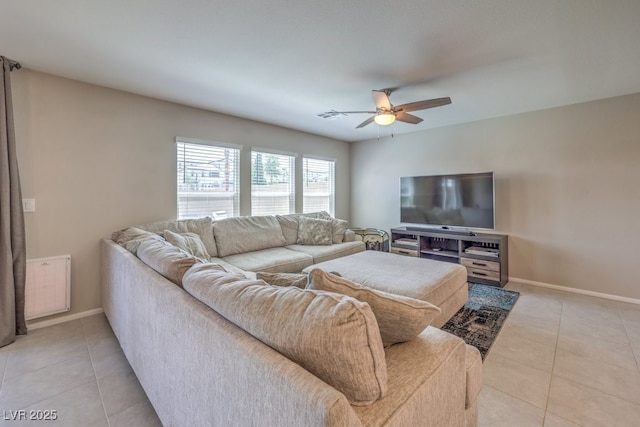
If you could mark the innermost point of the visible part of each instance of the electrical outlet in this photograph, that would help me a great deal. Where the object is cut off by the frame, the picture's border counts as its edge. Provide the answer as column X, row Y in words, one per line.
column 29, row 205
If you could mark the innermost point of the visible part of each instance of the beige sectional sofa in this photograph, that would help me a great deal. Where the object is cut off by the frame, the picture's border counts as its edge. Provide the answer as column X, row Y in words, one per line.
column 214, row 346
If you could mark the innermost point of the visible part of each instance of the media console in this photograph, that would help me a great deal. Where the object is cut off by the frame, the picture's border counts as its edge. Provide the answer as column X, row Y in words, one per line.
column 484, row 255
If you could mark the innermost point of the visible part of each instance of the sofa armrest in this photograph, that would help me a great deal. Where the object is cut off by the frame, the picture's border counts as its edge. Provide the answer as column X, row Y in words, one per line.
column 350, row 236
column 421, row 372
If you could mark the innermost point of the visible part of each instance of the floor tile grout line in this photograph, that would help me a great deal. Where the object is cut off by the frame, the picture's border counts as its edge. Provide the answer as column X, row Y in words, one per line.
column 513, row 396
column 633, row 352
column 4, row 370
column 42, row 368
column 597, row 390
column 58, row 394
column 601, row 361
column 98, row 383
column 590, row 359
column 607, row 340
column 95, row 375
column 67, row 356
column 553, row 365
column 553, row 374
column 39, row 370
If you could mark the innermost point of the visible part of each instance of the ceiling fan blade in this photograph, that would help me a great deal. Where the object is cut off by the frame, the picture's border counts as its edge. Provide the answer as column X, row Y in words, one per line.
column 333, row 114
column 381, row 100
column 408, row 118
column 366, row 122
column 357, row 112
column 423, row 105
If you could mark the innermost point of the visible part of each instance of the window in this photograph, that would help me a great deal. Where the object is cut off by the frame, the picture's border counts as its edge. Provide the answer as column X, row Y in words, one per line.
column 208, row 182
column 272, row 183
column 319, row 188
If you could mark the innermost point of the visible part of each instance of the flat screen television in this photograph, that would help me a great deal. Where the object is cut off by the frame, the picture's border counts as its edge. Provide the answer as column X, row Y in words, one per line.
column 446, row 201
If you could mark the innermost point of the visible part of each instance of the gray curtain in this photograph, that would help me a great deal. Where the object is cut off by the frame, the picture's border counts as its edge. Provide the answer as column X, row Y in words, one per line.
column 12, row 236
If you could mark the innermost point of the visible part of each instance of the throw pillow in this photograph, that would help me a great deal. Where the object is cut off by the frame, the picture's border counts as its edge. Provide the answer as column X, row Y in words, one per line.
column 339, row 227
column 203, row 227
column 400, row 318
column 283, row 279
column 168, row 260
column 333, row 336
column 313, row 231
column 130, row 238
column 188, row 242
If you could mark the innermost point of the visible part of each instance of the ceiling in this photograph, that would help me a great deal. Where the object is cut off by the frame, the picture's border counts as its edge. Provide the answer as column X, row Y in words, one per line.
column 283, row 62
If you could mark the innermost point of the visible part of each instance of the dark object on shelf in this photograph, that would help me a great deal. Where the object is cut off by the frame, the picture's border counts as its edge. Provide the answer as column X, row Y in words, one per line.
column 374, row 239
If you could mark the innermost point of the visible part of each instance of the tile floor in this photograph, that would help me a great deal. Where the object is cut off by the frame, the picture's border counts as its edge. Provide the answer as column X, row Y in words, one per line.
column 76, row 369
column 561, row 359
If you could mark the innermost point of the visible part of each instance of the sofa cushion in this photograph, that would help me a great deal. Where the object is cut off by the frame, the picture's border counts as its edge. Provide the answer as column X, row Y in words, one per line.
column 289, row 226
column 128, row 234
column 338, row 228
column 131, row 237
column 247, row 234
column 334, row 337
column 188, row 242
column 400, row 318
column 203, row 227
column 168, row 260
column 312, row 231
column 274, row 260
column 283, row 279
column 229, row 267
column 326, row 253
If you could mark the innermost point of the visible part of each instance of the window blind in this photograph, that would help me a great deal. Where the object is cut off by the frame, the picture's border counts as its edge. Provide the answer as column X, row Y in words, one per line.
column 318, row 190
column 272, row 183
column 208, row 180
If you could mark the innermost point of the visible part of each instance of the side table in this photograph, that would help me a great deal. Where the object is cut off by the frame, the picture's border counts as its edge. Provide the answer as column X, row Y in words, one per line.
column 374, row 239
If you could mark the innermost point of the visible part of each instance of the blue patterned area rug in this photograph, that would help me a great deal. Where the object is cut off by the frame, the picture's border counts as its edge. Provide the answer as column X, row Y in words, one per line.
column 481, row 318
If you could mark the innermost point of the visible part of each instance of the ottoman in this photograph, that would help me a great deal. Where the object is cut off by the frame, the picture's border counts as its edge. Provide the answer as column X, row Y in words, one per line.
column 443, row 284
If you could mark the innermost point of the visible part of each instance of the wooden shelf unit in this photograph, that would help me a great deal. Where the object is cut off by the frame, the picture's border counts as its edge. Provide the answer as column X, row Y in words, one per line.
column 485, row 255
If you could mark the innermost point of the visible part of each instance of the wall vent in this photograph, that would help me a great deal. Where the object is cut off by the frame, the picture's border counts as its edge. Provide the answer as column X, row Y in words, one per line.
column 48, row 286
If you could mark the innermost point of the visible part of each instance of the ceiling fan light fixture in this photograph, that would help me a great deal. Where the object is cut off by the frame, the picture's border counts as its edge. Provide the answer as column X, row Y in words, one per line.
column 384, row 119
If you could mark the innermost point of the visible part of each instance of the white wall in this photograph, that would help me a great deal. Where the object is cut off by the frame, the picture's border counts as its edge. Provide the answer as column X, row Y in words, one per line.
column 97, row 160
column 567, row 187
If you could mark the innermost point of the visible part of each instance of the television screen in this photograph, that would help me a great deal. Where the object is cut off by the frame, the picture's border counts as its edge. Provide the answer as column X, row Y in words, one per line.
column 460, row 200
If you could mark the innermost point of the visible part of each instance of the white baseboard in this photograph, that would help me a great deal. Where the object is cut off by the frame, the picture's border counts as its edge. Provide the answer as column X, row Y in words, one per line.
column 575, row 290
column 63, row 319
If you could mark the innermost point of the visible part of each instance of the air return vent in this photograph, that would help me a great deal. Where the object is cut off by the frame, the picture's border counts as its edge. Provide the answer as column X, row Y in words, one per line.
column 48, row 286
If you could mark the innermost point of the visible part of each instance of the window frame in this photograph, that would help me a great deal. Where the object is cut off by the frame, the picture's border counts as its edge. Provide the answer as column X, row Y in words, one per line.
column 331, row 203
column 263, row 207
column 234, row 181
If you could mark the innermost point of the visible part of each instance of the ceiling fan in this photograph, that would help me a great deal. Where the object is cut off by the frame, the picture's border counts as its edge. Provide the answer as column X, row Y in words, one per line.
column 386, row 113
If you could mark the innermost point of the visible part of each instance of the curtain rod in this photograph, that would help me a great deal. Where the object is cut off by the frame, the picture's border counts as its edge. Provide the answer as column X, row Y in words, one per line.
column 13, row 64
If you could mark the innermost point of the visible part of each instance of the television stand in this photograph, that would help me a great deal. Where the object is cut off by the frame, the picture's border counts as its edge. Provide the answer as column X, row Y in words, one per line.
column 485, row 255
